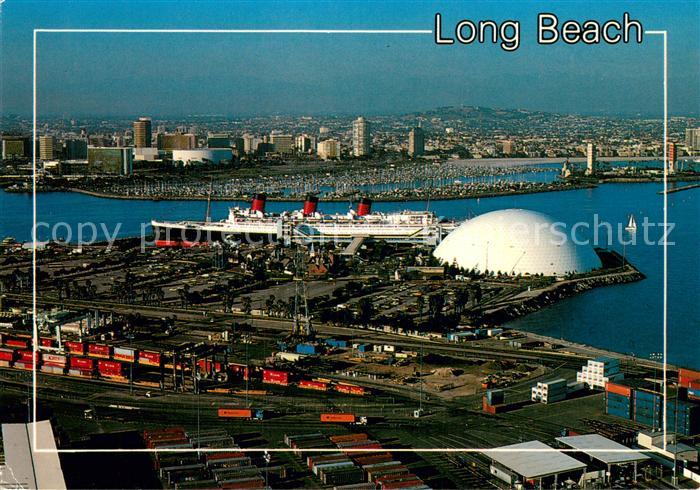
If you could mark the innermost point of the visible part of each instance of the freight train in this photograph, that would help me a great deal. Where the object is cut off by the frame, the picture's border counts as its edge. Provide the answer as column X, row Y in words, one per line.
column 98, row 360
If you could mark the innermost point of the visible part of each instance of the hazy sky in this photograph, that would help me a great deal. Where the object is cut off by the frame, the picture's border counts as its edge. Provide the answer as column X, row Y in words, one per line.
column 244, row 74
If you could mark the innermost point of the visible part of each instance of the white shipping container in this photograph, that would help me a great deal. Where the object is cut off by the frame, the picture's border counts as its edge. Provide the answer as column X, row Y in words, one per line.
column 124, row 353
column 52, row 369
column 55, row 359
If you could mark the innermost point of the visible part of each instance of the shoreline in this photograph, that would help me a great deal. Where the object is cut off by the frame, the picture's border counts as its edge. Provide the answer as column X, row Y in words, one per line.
column 332, row 199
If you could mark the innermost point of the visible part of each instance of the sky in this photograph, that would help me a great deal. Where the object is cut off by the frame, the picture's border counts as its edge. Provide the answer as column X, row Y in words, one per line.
column 107, row 74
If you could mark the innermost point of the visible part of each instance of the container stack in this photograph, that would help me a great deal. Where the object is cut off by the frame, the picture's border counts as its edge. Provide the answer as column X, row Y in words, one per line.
column 549, row 391
column 618, row 400
column 597, row 372
column 493, row 402
column 643, row 404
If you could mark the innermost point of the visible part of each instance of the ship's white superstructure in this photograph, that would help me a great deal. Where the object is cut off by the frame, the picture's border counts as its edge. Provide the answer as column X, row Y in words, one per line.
column 306, row 226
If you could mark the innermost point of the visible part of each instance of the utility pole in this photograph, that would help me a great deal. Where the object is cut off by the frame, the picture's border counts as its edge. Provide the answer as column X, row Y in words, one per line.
column 302, row 323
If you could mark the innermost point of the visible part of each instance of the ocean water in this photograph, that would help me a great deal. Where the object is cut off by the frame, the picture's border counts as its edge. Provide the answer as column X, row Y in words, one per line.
column 625, row 318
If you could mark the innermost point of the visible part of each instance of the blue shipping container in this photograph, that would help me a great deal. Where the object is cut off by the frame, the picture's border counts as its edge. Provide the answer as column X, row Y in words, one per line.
column 306, row 349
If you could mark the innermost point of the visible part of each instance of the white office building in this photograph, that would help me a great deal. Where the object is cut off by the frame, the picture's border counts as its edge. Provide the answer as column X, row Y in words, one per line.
column 361, row 138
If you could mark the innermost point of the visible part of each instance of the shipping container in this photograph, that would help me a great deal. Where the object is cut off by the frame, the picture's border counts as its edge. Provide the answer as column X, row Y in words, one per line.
column 110, row 368
column 8, row 355
column 307, row 349
column 81, row 373
column 350, row 389
column 618, row 389
column 349, row 437
column 18, row 343
column 338, row 417
column 82, row 363
column 685, row 376
column 125, row 354
column 74, row 347
column 238, row 413
column 495, row 397
column 28, row 355
column 55, row 360
column 46, row 342
column 275, row 377
column 51, row 369
column 99, row 350
column 337, row 343
column 313, row 385
column 149, row 358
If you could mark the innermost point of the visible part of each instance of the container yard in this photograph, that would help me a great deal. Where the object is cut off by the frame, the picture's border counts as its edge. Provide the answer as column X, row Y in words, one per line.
column 336, row 357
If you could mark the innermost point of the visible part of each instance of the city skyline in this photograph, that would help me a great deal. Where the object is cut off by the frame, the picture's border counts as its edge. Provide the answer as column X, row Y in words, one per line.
column 267, row 74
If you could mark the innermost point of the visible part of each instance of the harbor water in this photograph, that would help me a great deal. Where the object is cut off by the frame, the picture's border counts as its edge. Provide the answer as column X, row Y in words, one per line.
column 625, row 318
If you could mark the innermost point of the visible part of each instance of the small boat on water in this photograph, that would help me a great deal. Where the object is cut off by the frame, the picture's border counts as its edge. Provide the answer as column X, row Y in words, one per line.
column 631, row 224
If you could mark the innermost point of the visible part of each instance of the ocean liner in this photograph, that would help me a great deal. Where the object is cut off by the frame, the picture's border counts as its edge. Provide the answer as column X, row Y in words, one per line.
column 306, row 225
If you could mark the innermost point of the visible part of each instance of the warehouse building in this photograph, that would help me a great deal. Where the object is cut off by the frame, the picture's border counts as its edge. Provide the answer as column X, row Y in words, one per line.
column 534, row 464
column 618, row 462
column 25, row 467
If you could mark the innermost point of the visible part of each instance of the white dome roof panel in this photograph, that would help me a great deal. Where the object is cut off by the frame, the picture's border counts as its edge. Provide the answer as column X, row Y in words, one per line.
column 516, row 241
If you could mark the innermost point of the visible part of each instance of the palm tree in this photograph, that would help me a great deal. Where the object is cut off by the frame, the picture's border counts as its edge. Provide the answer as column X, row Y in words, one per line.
column 270, row 304
column 246, row 305
column 420, row 303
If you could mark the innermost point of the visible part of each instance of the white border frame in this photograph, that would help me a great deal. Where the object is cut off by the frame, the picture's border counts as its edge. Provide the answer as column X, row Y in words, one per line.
column 662, row 33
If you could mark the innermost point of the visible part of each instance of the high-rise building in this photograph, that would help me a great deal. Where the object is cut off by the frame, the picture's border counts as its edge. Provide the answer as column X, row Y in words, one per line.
column 218, row 141
column 328, row 149
column 508, row 147
column 110, row 160
column 283, row 143
column 250, row 143
column 15, row 147
column 142, row 132
column 416, row 142
column 360, row 137
column 75, row 149
column 177, row 141
column 671, row 157
column 47, row 147
column 692, row 140
column 305, row 143
column 590, row 159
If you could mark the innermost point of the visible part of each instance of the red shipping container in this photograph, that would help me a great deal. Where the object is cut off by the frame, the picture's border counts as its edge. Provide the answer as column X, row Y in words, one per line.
column 313, row 385
column 237, row 413
column 7, row 355
column 685, row 376
column 618, row 389
column 239, row 370
column 348, row 438
column 23, row 344
column 149, row 357
column 113, row 366
column 350, row 389
column 82, row 363
column 27, row 356
column 275, row 377
column 46, row 342
column 99, row 350
column 338, row 417
column 75, row 347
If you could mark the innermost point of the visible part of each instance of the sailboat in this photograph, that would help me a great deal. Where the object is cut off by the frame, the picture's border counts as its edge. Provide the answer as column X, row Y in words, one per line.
column 631, row 224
